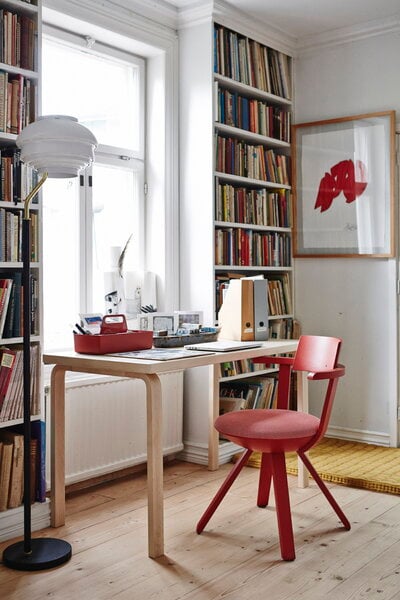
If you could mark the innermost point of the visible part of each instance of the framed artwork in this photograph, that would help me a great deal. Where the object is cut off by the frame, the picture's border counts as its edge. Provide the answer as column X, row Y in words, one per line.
column 343, row 186
column 157, row 321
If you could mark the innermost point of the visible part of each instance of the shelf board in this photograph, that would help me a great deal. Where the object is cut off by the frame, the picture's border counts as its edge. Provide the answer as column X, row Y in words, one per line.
column 17, row 340
column 248, row 182
column 17, row 421
column 249, row 136
column 229, row 224
column 17, row 205
column 250, row 268
column 251, row 91
column 247, row 375
column 17, row 265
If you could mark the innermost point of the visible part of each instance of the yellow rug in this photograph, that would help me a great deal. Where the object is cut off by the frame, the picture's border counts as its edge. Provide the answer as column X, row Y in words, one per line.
column 351, row 463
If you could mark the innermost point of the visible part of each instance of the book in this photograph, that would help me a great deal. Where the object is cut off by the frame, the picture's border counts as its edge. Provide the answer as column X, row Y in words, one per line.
column 7, row 362
column 38, row 429
column 17, row 466
column 5, row 473
column 5, row 291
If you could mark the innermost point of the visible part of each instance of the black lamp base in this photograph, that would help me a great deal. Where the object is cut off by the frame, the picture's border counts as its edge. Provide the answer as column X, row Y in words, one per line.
column 46, row 553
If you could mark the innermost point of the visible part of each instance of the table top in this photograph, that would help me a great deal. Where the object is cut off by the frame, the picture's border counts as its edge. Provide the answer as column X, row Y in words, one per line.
column 96, row 363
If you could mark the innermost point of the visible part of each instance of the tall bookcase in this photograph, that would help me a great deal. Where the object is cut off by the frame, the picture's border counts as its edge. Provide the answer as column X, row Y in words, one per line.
column 20, row 34
column 236, row 216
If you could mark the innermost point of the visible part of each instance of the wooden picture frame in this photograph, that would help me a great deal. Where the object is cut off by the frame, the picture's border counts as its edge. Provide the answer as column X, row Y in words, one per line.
column 343, row 186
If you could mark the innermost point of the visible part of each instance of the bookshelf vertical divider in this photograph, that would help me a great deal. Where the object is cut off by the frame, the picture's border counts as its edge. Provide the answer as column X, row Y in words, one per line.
column 20, row 82
column 236, row 210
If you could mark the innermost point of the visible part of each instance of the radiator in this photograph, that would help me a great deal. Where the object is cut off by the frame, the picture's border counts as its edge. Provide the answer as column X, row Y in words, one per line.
column 105, row 424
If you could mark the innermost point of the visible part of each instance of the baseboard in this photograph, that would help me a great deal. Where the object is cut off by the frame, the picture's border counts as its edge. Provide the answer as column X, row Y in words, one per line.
column 12, row 520
column 358, row 435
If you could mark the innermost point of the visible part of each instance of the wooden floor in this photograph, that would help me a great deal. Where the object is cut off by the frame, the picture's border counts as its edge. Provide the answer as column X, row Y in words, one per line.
column 236, row 558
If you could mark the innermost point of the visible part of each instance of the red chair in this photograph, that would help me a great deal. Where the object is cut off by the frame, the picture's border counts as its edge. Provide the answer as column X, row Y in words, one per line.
column 272, row 432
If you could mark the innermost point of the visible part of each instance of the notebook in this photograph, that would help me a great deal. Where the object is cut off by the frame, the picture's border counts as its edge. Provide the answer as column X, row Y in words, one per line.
column 223, row 346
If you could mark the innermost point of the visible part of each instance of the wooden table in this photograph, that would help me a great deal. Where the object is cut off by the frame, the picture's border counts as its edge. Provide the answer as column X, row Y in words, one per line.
column 148, row 371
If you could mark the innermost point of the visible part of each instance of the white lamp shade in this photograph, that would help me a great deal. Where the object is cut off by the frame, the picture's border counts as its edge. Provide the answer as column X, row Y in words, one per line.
column 57, row 145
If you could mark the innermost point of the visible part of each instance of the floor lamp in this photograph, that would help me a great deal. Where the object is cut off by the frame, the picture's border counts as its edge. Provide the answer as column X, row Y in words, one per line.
column 56, row 146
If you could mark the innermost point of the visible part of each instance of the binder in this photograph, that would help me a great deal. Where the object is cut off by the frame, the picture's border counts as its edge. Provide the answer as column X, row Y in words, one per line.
column 260, row 287
column 236, row 316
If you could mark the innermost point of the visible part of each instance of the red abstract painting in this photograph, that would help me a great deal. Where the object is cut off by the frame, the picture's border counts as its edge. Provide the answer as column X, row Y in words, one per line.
column 346, row 177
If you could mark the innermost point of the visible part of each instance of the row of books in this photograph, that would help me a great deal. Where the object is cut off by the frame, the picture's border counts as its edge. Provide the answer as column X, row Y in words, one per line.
column 17, row 179
column 11, row 305
column 252, row 206
column 17, row 102
column 251, row 63
column 239, row 367
column 245, row 247
column 236, row 157
column 253, row 115
column 11, row 235
column 279, row 295
column 12, row 466
column 257, row 392
column 17, row 40
column 11, row 383
column 278, row 291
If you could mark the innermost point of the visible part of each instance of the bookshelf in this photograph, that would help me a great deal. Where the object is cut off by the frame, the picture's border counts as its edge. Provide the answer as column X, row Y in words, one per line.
column 19, row 104
column 236, row 189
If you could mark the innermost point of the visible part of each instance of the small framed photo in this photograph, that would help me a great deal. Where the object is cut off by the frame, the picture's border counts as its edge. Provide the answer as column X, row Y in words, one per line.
column 187, row 318
column 157, row 321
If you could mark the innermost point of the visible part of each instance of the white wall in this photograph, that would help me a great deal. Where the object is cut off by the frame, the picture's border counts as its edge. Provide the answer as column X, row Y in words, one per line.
column 353, row 298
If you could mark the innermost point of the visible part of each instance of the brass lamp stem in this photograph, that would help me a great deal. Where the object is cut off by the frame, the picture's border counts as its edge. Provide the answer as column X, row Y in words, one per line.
column 31, row 195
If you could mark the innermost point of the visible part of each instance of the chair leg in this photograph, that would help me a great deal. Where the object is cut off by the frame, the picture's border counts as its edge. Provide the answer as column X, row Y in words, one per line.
column 264, row 480
column 219, row 496
column 283, row 506
column 325, row 490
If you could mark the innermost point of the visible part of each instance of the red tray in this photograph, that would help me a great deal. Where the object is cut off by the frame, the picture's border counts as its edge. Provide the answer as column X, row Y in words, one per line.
column 113, row 342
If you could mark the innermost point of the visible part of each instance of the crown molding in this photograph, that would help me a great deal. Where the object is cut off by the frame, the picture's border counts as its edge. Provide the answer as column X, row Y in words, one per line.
column 347, row 35
column 199, row 12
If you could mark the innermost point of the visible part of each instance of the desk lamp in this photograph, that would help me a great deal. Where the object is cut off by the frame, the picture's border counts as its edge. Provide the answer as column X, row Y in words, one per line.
column 56, row 146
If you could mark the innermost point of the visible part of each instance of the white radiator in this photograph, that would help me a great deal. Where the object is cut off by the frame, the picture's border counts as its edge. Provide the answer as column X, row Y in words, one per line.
column 106, row 424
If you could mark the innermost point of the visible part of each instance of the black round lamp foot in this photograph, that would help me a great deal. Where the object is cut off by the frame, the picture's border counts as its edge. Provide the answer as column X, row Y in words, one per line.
column 46, row 553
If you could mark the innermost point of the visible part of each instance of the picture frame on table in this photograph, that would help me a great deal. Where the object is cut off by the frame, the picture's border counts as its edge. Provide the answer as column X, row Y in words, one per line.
column 157, row 321
column 343, row 186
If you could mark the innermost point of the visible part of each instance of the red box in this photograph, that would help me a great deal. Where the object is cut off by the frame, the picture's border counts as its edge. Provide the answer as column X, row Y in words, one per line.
column 113, row 342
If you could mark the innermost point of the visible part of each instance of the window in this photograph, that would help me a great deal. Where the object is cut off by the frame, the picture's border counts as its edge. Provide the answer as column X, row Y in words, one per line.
column 87, row 221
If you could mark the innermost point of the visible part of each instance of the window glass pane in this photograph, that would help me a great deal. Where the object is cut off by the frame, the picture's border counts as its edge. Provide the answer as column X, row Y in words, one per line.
column 86, row 88
column 116, row 220
column 61, row 261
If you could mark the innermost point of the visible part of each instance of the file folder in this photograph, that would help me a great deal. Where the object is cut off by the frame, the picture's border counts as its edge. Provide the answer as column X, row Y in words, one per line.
column 260, row 309
column 236, row 316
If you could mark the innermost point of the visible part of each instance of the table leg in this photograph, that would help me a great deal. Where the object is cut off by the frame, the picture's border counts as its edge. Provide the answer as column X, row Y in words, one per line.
column 57, row 477
column 213, row 411
column 155, row 507
column 302, row 405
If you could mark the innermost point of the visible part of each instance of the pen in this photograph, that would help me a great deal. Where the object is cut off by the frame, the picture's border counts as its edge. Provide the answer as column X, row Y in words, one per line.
column 81, row 330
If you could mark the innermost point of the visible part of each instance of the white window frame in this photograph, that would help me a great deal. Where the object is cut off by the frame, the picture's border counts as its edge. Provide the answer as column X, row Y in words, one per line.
column 131, row 159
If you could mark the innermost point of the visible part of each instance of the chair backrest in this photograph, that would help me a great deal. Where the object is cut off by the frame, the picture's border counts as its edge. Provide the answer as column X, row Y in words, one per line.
column 316, row 353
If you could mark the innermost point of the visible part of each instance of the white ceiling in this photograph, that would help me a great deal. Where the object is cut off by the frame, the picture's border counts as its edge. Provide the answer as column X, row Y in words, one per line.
column 301, row 18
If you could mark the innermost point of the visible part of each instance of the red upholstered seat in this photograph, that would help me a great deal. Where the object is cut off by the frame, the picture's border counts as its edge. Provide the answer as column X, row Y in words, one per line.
column 268, row 430
column 272, row 432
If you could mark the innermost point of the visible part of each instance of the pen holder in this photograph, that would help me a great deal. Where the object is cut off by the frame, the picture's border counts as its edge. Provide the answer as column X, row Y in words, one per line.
column 114, row 336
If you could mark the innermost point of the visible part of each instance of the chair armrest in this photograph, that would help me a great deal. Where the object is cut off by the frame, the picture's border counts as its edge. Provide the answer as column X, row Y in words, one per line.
column 338, row 371
column 273, row 360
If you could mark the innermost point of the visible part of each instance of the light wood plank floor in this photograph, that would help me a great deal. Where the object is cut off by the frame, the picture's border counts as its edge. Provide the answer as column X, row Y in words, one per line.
column 236, row 558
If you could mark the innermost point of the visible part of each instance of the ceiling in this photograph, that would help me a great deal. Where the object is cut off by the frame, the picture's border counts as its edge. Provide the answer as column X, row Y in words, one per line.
column 302, row 18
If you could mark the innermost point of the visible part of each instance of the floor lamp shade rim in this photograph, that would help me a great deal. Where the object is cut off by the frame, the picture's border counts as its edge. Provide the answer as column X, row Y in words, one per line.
column 57, row 145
